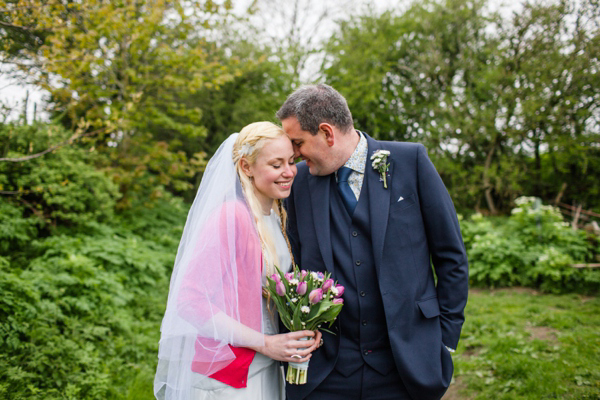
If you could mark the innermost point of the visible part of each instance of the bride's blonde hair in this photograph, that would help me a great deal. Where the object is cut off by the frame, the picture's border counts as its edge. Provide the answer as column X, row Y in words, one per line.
column 250, row 141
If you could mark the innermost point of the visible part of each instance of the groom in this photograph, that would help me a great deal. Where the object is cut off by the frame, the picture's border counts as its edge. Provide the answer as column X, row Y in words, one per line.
column 397, row 328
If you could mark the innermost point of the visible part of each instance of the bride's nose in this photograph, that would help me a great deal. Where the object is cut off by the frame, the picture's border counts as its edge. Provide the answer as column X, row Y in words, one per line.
column 288, row 171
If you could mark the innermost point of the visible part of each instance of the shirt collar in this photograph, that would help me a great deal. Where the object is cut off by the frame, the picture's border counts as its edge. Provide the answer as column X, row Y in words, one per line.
column 358, row 159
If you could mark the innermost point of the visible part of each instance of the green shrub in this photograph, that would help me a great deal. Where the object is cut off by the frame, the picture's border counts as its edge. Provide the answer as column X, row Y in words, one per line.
column 82, row 316
column 533, row 247
column 63, row 187
column 83, row 286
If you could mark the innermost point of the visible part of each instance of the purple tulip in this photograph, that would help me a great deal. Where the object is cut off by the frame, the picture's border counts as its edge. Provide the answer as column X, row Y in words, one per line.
column 338, row 301
column 280, row 288
column 301, row 289
column 340, row 290
column 320, row 275
column 328, row 283
column 315, row 296
column 276, row 278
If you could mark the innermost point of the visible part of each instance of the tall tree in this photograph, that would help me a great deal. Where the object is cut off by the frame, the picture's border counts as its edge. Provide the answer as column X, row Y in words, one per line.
column 451, row 74
column 296, row 30
column 122, row 69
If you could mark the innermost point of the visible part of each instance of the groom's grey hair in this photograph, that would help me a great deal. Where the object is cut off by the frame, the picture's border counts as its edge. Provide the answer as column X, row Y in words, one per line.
column 312, row 105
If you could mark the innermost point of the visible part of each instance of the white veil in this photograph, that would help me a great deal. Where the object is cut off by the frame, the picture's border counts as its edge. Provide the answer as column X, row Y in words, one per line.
column 215, row 291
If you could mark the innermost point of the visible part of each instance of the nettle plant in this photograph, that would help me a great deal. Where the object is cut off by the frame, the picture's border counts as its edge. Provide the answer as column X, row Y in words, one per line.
column 533, row 247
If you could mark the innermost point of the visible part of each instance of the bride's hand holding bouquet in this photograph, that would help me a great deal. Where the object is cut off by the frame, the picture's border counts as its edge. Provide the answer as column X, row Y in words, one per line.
column 305, row 301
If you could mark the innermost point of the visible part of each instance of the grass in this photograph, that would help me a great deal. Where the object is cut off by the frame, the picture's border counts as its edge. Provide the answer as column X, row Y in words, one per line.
column 516, row 344
column 519, row 344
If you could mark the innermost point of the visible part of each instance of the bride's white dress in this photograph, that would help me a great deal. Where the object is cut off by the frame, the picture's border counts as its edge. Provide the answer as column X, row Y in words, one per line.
column 265, row 378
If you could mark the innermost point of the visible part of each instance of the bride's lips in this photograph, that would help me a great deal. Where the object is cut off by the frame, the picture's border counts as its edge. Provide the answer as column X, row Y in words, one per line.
column 284, row 185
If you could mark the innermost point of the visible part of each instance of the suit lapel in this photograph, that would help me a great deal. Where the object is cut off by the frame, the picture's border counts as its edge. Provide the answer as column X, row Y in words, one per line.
column 379, row 199
column 319, row 187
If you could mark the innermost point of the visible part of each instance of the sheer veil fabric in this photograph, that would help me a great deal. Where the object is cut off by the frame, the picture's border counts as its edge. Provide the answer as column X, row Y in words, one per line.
column 215, row 291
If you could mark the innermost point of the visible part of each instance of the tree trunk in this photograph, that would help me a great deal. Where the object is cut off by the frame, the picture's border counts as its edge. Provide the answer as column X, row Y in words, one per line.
column 486, row 181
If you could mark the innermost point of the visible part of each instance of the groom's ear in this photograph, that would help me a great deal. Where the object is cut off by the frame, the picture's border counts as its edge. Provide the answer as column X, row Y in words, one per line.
column 328, row 131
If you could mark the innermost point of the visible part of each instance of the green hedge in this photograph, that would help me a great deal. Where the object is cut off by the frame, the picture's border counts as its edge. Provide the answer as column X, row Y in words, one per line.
column 83, row 286
column 533, row 247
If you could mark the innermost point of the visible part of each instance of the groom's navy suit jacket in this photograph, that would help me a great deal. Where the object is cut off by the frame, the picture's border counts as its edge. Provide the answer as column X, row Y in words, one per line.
column 413, row 225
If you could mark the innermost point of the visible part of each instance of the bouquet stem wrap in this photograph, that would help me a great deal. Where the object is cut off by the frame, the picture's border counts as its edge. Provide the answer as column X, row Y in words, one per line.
column 297, row 372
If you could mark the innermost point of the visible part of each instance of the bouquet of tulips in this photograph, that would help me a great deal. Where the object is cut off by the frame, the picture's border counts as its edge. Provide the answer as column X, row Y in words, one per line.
column 304, row 300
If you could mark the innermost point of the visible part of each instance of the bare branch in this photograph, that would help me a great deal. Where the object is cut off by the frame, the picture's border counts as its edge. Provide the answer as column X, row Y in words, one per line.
column 68, row 141
column 14, row 191
column 23, row 28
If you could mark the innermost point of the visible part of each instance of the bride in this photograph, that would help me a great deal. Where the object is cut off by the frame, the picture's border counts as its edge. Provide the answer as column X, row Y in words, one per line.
column 219, row 337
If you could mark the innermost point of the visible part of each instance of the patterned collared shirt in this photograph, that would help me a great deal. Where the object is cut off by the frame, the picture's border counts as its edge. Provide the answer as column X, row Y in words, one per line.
column 356, row 163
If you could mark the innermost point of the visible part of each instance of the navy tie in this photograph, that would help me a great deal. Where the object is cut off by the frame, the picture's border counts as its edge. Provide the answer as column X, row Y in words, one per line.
column 345, row 191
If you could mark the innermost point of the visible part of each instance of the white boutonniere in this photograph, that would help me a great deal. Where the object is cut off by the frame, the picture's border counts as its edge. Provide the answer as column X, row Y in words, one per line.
column 380, row 164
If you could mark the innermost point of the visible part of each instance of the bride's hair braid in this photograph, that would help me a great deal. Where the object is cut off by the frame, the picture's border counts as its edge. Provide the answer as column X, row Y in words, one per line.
column 283, row 218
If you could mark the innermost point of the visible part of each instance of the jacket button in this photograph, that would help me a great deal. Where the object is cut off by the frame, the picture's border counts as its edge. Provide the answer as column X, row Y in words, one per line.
column 357, row 262
column 354, row 233
column 366, row 352
column 362, row 293
column 364, row 322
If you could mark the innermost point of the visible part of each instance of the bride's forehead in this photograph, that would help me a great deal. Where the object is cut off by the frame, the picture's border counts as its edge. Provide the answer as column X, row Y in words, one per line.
column 281, row 145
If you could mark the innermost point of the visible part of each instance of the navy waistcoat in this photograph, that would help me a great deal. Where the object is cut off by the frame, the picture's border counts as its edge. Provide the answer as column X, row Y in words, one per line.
column 363, row 329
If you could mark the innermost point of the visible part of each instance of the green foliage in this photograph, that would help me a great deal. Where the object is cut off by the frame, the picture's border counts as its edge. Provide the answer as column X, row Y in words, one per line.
column 506, row 106
column 15, row 230
column 83, row 286
column 533, row 247
column 254, row 94
column 61, row 188
column 519, row 344
column 80, row 317
column 122, row 72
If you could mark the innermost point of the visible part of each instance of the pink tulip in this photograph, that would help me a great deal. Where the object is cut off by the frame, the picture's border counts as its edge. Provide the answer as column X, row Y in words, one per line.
column 303, row 273
column 340, row 290
column 276, row 278
column 301, row 289
column 328, row 283
column 338, row 301
column 315, row 296
column 289, row 276
column 280, row 288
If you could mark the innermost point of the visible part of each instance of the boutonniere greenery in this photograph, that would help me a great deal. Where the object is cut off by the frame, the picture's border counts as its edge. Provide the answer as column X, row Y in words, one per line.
column 380, row 164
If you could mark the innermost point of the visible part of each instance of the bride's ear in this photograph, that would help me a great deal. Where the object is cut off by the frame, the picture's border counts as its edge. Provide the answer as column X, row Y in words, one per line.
column 245, row 167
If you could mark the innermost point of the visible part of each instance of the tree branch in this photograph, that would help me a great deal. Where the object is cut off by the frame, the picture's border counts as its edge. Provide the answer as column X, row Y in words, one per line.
column 6, row 24
column 48, row 150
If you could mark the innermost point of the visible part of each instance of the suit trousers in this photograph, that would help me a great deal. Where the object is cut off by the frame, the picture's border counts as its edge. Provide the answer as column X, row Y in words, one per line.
column 364, row 384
